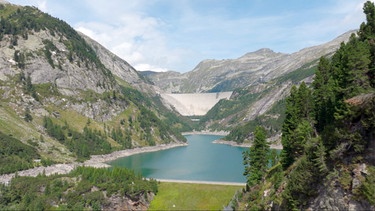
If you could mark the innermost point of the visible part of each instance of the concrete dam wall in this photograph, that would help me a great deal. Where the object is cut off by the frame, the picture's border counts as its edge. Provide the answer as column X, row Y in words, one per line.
column 197, row 104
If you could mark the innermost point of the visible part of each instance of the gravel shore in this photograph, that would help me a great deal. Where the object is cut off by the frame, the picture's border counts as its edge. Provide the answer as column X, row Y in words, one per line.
column 247, row 145
column 98, row 161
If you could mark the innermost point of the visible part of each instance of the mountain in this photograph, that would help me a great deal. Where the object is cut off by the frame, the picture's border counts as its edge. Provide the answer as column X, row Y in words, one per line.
column 120, row 68
column 328, row 157
column 229, row 74
column 67, row 97
column 260, row 81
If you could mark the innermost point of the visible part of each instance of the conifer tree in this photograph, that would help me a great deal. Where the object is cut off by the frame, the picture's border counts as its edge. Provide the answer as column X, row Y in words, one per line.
column 299, row 114
column 256, row 158
column 356, row 79
column 323, row 95
column 367, row 33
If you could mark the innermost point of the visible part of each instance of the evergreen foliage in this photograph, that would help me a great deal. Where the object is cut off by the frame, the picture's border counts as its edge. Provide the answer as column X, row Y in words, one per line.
column 28, row 117
column 256, row 158
column 15, row 155
column 328, row 129
column 85, row 188
column 272, row 120
column 84, row 144
column 168, row 124
column 297, row 129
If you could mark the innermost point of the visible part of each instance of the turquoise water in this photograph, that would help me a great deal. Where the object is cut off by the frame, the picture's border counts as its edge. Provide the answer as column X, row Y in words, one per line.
column 201, row 160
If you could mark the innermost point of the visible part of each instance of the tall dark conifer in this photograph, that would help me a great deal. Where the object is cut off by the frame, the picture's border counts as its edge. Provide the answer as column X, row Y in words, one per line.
column 256, row 158
column 323, row 95
column 367, row 33
column 298, row 123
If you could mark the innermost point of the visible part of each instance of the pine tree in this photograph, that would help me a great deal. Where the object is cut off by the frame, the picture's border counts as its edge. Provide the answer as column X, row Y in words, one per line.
column 256, row 158
column 299, row 113
column 323, row 95
column 358, row 61
column 367, row 33
column 28, row 117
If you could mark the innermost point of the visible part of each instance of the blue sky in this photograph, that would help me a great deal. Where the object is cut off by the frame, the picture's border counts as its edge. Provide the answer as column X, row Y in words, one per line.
column 176, row 35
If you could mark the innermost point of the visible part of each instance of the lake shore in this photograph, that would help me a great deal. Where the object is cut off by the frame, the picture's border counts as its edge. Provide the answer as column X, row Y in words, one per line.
column 202, row 182
column 100, row 160
column 246, row 145
column 97, row 161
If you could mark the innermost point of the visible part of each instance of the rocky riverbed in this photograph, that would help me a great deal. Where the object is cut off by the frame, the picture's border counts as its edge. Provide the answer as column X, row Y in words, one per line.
column 98, row 161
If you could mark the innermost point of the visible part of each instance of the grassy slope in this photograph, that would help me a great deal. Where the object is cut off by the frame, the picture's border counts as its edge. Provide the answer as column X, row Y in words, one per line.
column 192, row 196
column 12, row 124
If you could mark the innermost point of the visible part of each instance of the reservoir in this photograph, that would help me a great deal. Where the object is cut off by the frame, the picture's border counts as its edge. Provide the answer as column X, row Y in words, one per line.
column 201, row 160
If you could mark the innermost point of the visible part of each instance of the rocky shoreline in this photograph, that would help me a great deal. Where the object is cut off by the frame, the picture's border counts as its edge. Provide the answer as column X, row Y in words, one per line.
column 97, row 161
column 247, row 145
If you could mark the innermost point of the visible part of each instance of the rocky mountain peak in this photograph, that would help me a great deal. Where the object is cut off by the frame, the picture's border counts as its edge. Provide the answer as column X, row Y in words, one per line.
column 260, row 52
column 228, row 74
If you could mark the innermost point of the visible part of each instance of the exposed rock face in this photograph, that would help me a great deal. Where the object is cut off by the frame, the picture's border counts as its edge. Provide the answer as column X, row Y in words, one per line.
column 262, row 105
column 333, row 197
column 69, row 77
column 228, row 74
column 120, row 203
column 118, row 66
column 121, row 68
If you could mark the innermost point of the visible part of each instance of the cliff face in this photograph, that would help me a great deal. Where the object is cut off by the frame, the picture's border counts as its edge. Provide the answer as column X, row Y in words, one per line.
column 115, row 64
column 67, row 76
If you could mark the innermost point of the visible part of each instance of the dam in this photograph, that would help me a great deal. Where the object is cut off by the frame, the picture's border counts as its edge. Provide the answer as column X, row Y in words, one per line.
column 194, row 104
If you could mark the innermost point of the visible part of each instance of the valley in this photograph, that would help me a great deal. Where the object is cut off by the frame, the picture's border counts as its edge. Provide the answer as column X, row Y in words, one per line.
column 70, row 108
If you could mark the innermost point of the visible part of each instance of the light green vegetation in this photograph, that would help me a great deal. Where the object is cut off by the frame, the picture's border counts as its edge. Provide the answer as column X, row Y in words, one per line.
column 181, row 196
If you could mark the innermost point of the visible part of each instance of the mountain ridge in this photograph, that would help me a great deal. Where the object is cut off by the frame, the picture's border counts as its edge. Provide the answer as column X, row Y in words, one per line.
column 228, row 74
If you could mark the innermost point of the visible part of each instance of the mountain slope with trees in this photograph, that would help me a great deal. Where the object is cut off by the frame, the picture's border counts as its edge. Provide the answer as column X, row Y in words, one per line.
column 60, row 97
column 327, row 161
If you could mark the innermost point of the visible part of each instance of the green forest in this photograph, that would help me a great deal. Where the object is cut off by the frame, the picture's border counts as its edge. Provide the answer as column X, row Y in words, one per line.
column 85, row 188
column 327, row 133
column 15, row 155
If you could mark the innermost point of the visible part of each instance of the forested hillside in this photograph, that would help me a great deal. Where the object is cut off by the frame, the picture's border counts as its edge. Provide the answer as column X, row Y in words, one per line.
column 328, row 156
column 83, row 189
column 61, row 103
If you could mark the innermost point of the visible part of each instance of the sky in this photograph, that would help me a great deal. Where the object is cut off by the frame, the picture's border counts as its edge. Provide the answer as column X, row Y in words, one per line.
column 162, row 35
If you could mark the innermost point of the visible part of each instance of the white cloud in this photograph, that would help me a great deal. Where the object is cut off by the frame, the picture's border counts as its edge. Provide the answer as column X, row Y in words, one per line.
column 134, row 37
column 42, row 5
column 144, row 67
column 176, row 35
